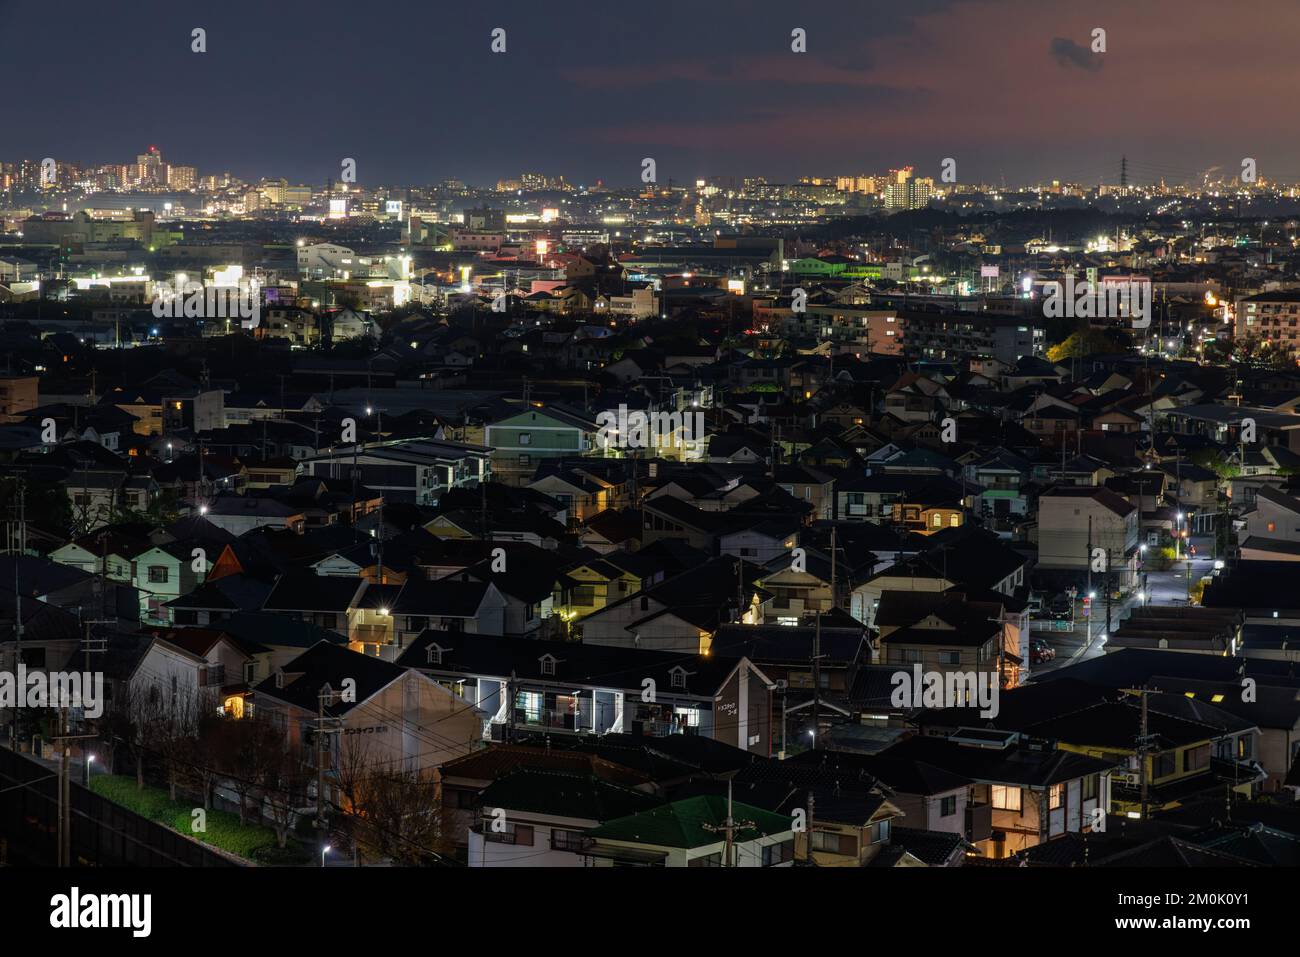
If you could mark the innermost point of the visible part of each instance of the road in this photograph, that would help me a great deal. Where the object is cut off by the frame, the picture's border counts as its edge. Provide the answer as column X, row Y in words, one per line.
column 1162, row 588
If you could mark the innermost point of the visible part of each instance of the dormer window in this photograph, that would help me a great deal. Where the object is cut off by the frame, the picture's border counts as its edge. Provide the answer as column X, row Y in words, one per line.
column 679, row 677
column 548, row 664
column 435, row 653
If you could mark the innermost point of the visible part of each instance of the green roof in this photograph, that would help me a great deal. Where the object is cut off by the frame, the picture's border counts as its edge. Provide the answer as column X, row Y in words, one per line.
column 693, row 822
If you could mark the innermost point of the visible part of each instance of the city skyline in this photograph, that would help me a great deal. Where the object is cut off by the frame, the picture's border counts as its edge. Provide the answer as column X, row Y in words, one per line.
column 703, row 92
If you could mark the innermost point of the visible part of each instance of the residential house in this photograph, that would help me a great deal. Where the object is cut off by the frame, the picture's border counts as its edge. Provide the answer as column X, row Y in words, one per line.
column 689, row 833
column 383, row 714
column 524, row 684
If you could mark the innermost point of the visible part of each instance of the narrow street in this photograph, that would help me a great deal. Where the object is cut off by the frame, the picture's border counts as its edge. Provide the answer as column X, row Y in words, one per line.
column 1168, row 587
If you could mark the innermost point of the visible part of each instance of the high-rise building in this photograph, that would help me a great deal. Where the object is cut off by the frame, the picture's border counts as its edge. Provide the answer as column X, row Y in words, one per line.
column 904, row 192
column 147, row 167
column 856, row 184
column 182, row 177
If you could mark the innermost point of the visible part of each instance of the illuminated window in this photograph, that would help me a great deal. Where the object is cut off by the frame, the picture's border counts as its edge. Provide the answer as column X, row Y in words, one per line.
column 1055, row 795
column 1005, row 798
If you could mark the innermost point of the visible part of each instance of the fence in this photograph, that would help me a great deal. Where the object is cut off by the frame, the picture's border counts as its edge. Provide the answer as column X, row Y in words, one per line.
column 104, row 834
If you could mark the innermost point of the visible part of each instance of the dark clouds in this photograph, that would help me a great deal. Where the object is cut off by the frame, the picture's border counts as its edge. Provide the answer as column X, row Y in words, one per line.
column 1067, row 53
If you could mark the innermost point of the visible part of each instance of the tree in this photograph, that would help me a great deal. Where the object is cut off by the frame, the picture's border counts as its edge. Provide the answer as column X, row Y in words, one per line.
column 1261, row 353
column 248, row 753
column 45, row 504
column 210, row 729
column 136, row 721
column 284, row 788
column 176, row 736
column 398, row 816
column 1079, row 345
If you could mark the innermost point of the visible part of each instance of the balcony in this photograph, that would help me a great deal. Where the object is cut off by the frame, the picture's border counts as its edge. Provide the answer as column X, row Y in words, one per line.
column 979, row 822
column 549, row 720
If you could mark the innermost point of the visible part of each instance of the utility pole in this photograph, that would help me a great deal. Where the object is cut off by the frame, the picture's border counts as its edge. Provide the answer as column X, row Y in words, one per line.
column 811, row 808
column 324, row 728
column 740, row 591
column 1088, row 558
column 1109, row 592
column 510, row 706
column 65, row 737
column 18, row 606
column 65, row 793
column 729, row 827
column 817, row 677
column 1143, row 747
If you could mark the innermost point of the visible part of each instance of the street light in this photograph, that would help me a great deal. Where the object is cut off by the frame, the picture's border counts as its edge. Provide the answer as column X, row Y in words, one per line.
column 90, row 759
column 323, row 851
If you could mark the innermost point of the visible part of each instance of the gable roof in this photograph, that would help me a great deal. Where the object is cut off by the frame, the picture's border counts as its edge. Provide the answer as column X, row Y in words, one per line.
column 328, row 664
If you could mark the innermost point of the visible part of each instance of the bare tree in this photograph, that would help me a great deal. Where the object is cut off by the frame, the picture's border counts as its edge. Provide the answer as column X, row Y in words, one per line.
column 248, row 751
column 284, row 788
column 352, row 766
column 398, row 816
column 136, row 720
column 176, row 734
column 206, row 748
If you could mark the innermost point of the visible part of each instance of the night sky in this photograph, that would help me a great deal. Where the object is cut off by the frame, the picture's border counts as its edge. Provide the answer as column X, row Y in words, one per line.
column 1009, row 88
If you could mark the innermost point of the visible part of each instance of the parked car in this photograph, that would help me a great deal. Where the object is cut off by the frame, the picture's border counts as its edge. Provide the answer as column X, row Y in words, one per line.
column 1040, row 651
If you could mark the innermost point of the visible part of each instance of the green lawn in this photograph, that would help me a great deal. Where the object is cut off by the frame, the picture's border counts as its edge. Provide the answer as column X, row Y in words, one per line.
column 223, row 828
